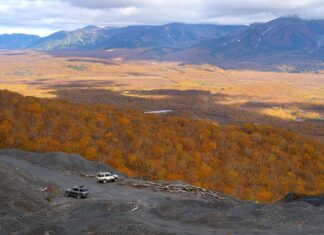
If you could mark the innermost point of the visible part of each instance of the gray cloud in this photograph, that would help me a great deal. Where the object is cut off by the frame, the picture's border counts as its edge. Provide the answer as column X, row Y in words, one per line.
column 44, row 16
column 106, row 4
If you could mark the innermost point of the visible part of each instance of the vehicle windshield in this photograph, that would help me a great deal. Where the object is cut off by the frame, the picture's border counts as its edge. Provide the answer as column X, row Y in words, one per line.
column 101, row 175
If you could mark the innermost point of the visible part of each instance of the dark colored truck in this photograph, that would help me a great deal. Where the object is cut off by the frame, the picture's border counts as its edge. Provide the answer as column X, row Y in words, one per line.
column 77, row 192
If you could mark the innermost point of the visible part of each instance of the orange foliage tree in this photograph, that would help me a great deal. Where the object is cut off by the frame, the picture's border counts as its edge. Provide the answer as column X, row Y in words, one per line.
column 250, row 162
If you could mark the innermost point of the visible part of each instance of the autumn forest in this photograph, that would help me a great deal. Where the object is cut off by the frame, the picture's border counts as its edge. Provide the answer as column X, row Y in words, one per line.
column 254, row 162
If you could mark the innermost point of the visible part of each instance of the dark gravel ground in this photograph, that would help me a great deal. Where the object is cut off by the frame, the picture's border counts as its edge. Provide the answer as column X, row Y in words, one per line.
column 118, row 208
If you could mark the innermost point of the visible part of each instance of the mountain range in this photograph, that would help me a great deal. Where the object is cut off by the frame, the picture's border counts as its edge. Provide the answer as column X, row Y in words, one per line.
column 171, row 35
column 16, row 41
column 285, row 43
column 291, row 41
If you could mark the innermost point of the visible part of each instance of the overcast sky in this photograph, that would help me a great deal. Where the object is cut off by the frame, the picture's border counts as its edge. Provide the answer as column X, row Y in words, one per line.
column 46, row 16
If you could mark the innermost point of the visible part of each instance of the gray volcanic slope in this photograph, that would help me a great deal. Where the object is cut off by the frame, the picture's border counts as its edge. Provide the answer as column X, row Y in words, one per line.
column 125, row 208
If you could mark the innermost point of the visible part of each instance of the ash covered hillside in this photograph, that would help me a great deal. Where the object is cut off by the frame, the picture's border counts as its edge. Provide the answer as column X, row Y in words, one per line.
column 32, row 202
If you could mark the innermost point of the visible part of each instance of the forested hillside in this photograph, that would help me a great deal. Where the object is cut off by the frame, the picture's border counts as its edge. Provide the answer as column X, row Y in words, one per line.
column 250, row 162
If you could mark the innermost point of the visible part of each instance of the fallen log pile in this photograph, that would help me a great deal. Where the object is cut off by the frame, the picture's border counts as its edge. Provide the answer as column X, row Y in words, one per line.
column 87, row 175
column 176, row 188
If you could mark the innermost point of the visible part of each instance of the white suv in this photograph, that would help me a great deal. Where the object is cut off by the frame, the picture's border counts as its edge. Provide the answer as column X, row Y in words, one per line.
column 104, row 177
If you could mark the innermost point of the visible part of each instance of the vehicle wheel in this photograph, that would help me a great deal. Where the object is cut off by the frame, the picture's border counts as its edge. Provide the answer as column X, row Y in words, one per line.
column 105, row 181
column 66, row 194
column 115, row 179
column 78, row 196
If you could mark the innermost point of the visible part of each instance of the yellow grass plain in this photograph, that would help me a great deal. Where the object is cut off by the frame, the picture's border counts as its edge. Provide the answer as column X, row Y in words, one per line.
column 40, row 74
